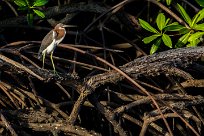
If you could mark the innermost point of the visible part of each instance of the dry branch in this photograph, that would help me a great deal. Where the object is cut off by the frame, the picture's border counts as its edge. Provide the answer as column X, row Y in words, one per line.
column 173, row 63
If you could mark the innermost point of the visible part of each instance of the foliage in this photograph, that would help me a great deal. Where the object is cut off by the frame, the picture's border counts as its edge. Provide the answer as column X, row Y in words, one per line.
column 32, row 7
column 158, row 36
column 190, row 35
column 200, row 2
column 194, row 32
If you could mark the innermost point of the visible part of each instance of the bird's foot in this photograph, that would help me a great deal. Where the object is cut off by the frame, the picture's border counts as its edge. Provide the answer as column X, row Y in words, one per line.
column 55, row 73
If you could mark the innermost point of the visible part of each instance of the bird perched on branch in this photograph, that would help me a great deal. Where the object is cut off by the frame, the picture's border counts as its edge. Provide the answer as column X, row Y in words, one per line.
column 50, row 41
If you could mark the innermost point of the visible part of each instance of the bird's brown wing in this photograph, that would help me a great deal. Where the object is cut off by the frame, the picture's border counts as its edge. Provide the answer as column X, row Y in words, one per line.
column 47, row 40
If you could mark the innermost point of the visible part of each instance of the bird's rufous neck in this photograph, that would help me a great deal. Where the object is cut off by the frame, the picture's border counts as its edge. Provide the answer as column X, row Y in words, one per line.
column 60, row 33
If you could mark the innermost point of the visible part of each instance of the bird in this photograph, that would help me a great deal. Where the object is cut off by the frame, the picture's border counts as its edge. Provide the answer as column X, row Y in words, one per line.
column 50, row 41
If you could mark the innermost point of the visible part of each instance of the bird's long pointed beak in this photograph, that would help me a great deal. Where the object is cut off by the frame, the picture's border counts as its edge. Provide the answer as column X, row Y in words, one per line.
column 69, row 26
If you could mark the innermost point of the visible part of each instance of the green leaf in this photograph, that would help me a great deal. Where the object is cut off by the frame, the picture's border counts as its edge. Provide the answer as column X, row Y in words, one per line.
column 39, row 13
column 20, row 3
column 167, row 40
column 200, row 2
column 184, row 31
column 168, row 2
column 28, row 2
column 184, row 14
column 38, row 3
column 183, row 40
column 173, row 27
column 167, row 21
column 194, row 20
column 193, row 43
column 195, row 36
column 30, row 18
column 174, row 23
column 199, row 27
column 155, row 46
column 201, row 12
column 199, row 16
column 147, row 26
column 160, row 21
column 147, row 40
column 23, row 8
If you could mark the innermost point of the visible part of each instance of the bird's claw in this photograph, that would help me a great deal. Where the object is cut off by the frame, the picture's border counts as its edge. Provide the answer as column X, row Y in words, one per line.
column 55, row 73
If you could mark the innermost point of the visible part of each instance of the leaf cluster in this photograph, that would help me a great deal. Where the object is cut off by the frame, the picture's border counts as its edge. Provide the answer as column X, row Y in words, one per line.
column 190, row 35
column 32, row 7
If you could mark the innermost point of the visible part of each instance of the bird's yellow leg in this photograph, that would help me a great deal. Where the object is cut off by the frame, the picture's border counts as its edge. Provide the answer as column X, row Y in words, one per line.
column 53, row 65
column 43, row 60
